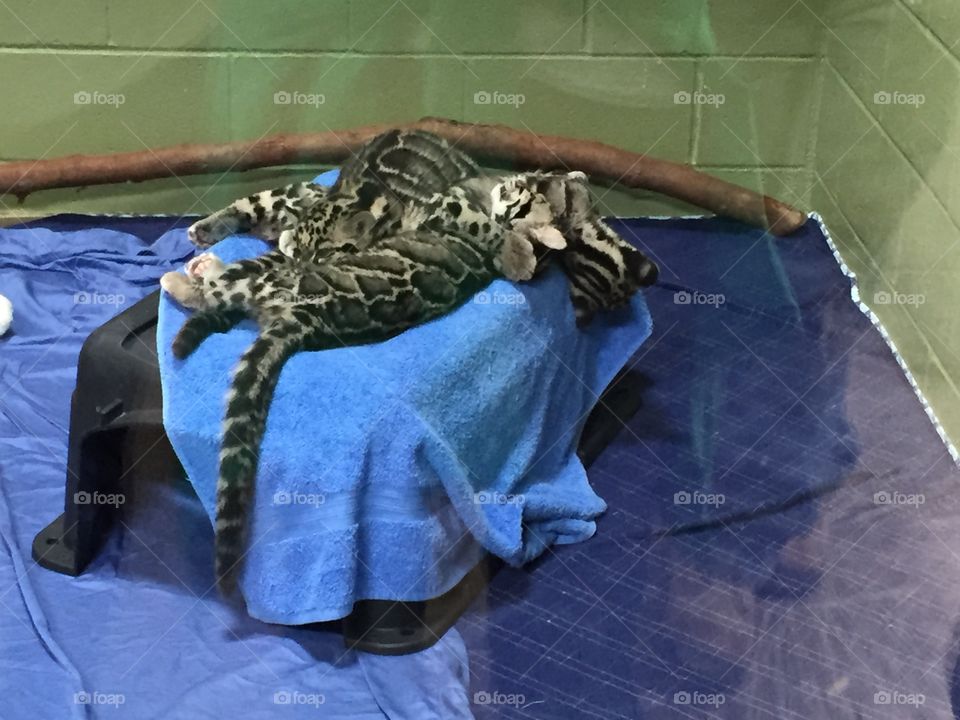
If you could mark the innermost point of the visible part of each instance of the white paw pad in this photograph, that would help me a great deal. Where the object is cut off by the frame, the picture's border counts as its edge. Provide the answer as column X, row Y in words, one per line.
column 200, row 265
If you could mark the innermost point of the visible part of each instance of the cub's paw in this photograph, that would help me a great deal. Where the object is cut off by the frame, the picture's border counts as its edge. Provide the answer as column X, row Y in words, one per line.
column 211, row 230
column 518, row 258
column 180, row 287
column 203, row 265
column 548, row 236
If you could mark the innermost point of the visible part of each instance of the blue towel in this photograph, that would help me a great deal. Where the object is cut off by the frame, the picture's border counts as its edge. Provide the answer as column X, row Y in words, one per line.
column 387, row 470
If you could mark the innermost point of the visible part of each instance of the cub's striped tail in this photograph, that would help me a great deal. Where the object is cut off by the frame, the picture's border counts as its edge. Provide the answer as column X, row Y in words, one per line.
column 244, row 424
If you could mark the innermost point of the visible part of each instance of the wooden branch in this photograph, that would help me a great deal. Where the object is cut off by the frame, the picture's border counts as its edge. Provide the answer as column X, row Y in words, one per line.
column 491, row 143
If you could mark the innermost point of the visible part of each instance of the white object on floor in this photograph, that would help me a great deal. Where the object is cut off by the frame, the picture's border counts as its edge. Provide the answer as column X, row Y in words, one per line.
column 6, row 314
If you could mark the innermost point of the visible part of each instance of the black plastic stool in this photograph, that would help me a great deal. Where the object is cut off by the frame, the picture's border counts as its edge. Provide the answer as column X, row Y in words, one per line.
column 118, row 396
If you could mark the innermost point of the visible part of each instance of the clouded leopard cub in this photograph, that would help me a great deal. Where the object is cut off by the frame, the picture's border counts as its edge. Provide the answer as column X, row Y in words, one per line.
column 409, row 232
column 399, row 168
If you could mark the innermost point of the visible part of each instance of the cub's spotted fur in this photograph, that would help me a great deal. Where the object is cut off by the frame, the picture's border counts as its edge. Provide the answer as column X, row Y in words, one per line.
column 398, row 169
column 411, row 230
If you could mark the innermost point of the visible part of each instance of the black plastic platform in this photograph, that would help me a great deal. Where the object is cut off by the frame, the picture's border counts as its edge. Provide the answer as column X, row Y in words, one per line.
column 117, row 403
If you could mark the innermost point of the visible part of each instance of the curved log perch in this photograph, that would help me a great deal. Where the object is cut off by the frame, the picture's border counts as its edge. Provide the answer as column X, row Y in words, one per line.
column 491, row 143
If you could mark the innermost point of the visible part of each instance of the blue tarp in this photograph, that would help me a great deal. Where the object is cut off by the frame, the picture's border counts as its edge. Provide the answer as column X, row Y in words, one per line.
column 781, row 539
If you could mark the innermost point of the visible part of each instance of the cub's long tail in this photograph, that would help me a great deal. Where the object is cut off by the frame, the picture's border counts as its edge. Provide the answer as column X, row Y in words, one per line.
column 243, row 428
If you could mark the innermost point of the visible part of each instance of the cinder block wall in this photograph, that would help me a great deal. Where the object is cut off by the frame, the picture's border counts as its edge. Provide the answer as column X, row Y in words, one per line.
column 887, row 163
column 624, row 71
column 779, row 95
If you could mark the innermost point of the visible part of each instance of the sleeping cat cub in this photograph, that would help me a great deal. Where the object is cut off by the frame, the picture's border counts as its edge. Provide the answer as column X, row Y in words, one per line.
column 398, row 169
column 410, row 231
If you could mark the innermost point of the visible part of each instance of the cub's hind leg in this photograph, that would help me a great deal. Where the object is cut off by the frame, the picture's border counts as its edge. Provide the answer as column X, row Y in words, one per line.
column 224, row 294
column 201, row 325
column 195, row 288
column 265, row 214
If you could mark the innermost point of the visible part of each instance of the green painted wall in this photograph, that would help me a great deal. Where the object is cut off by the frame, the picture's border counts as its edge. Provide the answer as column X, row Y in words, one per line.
column 208, row 70
column 779, row 95
column 887, row 162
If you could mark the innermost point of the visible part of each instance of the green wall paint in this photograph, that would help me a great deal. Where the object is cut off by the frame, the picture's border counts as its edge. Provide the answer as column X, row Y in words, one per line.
column 780, row 96
column 624, row 71
column 887, row 162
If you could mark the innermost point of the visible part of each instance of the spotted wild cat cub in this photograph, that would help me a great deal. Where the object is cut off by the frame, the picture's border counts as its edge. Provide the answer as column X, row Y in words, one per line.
column 409, row 232
column 399, row 168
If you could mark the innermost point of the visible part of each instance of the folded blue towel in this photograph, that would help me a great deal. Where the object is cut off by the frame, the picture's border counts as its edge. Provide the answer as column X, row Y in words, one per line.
column 387, row 470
